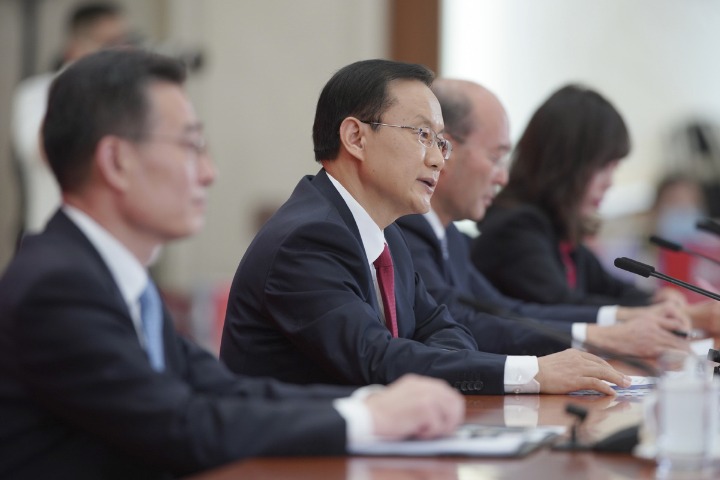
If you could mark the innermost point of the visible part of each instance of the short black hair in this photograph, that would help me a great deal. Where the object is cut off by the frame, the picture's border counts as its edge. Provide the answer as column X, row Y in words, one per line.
column 87, row 14
column 101, row 94
column 358, row 90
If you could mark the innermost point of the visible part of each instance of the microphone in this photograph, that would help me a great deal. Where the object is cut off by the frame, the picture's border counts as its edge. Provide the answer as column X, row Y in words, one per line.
column 644, row 270
column 709, row 225
column 554, row 334
column 676, row 247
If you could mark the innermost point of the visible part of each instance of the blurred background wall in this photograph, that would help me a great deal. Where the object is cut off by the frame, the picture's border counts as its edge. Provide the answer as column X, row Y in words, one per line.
column 654, row 59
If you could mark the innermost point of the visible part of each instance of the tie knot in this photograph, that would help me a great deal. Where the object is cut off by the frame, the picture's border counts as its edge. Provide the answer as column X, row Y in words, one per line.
column 567, row 248
column 384, row 260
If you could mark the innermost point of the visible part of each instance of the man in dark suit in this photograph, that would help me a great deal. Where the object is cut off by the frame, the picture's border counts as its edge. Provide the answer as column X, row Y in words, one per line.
column 327, row 291
column 476, row 123
column 94, row 381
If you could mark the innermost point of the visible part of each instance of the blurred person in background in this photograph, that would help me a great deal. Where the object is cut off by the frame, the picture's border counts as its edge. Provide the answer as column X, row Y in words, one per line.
column 532, row 242
column 90, row 27
column 477, row 125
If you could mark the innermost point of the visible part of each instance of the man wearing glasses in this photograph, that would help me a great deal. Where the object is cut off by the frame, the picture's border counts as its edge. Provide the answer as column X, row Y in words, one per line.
column 327, row 292
column 94, row 380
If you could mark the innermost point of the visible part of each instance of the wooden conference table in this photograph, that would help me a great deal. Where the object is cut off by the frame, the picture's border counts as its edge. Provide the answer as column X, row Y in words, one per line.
column 606, row 415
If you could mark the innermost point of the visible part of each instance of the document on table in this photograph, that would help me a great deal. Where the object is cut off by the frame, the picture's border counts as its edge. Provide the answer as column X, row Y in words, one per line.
column 470, row 440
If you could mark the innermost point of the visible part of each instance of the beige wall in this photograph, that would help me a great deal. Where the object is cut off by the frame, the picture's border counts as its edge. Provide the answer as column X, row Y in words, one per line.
column 9, row 73
column 655, row 59
column 267, row 62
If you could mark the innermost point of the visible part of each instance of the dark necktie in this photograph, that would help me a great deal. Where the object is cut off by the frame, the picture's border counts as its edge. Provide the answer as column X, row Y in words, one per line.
column 386, row 282
column 151, row 315
column 566, row 250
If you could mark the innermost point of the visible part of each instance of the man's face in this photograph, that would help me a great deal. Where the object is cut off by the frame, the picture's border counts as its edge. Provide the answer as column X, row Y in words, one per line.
column 399, row 173
column 168, row 179
column 477, row 166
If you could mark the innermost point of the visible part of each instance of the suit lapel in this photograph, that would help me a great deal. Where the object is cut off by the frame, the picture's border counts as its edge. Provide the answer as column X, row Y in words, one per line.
column 404, row 270
column 323, row 184
column 419, row 226
column 62, row 226
column 66, row 231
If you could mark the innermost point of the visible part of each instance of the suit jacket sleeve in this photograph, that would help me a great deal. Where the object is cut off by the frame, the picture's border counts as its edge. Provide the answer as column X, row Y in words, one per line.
column 597, row 279
column 78, row 356
column 518, row 251
column 448, row 281
column 481, row 288
column 318, row 293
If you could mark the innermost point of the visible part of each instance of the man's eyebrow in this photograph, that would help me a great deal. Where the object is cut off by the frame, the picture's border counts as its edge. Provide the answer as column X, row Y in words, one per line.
column 424, row 121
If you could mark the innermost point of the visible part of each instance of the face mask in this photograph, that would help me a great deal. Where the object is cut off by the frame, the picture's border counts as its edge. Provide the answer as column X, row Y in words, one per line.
column 677, row 224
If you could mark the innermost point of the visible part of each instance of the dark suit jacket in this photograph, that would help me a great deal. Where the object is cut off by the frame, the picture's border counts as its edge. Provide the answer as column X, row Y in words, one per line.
column 78, row 398
column 518, row 251
column 303, row 307
column 455, row 277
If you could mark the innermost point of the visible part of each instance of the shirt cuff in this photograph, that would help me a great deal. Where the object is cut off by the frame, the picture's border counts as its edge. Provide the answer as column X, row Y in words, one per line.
column 607, row 315
column 579, row 334
column 357, row 416
column 520, row 374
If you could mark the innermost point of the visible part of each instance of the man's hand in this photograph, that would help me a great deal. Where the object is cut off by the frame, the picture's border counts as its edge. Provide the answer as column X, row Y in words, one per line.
column 667, row 309
column 572, row 370
column 706, row 316
column 416, row 407
column 647, row 336
column 673, row 295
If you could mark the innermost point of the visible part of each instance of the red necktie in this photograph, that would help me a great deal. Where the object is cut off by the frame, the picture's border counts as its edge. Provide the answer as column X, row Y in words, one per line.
column 386, row 282
column 566, row 250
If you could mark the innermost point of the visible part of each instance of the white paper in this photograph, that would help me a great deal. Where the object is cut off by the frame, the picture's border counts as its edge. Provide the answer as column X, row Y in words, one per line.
column 471, row 440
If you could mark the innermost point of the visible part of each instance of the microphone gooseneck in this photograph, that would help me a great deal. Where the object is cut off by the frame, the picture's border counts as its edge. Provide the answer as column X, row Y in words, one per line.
column 666, row 244
column 642, row 269
column 676, row 247
column 709, row 225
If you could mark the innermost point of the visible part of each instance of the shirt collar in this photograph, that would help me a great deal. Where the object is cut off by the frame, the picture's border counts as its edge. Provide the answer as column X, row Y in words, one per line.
column 372, row 237
column 130, row 276
column 434, row 221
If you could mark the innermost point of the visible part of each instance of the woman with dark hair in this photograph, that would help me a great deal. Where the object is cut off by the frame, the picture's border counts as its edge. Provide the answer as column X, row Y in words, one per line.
column 531, row 243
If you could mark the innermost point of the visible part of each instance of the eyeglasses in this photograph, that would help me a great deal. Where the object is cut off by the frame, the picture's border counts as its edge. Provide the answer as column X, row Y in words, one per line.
column 197, row 145
column 426, row 136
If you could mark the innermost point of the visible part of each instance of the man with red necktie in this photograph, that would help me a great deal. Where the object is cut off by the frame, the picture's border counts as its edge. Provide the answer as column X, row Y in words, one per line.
column 307, row 303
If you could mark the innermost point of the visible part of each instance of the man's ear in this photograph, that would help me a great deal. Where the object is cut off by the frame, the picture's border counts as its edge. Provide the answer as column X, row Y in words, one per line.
column 111, row 161
column 352, row 137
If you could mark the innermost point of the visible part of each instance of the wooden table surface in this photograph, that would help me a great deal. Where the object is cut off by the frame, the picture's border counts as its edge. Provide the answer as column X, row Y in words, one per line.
column 606, row 415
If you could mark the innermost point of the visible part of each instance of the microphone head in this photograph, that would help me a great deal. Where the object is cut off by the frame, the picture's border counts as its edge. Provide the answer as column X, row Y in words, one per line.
column 709, row 225
column 666, row 244
column 576, row 410
column 633, row 266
